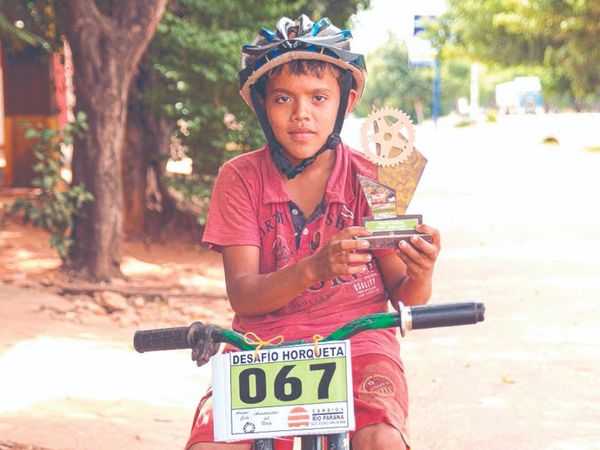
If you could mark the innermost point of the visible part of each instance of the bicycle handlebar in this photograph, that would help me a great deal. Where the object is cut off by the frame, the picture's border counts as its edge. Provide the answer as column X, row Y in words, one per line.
column 420, row 317
column 180, row 338
column 408, row 318
column 161, row 339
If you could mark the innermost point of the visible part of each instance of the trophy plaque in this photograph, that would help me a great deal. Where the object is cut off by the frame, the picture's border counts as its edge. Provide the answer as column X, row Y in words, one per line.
column 388, row 140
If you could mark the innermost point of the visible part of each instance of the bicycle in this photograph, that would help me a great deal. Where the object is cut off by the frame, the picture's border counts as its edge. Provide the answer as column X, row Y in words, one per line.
column 407, row 319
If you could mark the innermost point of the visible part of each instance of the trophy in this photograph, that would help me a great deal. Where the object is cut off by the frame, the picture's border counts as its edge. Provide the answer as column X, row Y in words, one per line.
column 388, row 136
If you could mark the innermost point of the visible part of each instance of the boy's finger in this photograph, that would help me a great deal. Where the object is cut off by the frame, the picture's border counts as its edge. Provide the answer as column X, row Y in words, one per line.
column 356, row 269
column 423, row 246
column 433, row 232
column 350, row 269
column 355, row 258
column 413, row 254
column 409, row 262
column 350, row 232
column 346, row 245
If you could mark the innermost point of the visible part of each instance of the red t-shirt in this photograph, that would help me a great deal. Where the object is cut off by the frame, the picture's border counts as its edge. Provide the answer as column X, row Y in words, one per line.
column 250, row 206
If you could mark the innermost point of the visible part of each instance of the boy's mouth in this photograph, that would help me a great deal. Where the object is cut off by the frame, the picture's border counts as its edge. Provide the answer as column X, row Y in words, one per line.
column 301, row 134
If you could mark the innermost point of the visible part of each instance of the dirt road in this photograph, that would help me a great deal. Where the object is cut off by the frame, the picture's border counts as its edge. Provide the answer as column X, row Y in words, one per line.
column 521, row 232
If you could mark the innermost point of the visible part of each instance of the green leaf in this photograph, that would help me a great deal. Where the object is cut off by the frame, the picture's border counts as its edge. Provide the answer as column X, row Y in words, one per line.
column 31, row 133
column 47, row 182
column 48, row 134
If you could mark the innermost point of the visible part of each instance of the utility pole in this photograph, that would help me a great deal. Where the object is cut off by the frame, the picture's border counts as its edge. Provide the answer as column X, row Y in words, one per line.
column 474, row 101
column 436, row 108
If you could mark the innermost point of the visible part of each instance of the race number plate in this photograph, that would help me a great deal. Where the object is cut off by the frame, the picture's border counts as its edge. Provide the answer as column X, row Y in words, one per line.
column 284, row 391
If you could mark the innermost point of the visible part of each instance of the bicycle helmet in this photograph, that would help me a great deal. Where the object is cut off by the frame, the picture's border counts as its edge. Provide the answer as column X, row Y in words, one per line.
column 305, row 40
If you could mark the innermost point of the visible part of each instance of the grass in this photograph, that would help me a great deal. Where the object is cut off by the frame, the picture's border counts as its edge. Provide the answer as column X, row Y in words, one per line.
column 463, row 123
column 550, row 140
column 593, row 149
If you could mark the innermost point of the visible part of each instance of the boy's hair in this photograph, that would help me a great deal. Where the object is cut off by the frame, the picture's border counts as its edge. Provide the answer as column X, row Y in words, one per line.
column 313, row 67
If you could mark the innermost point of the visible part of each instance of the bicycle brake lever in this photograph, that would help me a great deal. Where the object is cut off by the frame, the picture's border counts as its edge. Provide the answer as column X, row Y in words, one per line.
column 202, row 341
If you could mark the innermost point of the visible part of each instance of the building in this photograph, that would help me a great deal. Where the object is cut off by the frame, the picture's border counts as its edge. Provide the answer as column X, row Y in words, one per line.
column 36, row 88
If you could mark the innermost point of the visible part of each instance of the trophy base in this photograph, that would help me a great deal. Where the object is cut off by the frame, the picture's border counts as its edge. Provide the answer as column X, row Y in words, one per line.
column 390, row 240
column 388, row 232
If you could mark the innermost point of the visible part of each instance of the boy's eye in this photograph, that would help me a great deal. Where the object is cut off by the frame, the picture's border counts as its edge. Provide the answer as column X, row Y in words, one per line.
column 282, row 99
column 320, row 98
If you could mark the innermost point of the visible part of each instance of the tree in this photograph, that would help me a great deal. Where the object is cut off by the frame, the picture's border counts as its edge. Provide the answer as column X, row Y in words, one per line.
column 106, row 47
column 186, row 82
column 15, row 38
column 394, row 83
column 560, row 35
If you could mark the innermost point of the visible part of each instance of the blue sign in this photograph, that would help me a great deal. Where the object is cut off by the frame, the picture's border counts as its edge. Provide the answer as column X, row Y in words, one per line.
column 419, row 23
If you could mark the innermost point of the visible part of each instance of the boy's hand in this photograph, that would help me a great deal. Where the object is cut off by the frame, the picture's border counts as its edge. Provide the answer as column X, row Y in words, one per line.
column 342, row 255
column 419, row 256
column 203, row 344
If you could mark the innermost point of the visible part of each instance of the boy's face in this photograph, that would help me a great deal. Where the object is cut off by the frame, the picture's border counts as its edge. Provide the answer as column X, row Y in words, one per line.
column 302, row 110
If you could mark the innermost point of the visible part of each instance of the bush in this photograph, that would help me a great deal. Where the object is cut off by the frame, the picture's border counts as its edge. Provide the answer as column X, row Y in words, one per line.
column 491, row 115
column 193, row 189
column 57, row 202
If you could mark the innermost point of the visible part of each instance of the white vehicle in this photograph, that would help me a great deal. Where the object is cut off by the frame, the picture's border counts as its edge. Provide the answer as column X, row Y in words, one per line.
column 522, row 95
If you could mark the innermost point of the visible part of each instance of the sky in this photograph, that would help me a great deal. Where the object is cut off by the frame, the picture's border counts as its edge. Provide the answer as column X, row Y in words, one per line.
column 370, row 28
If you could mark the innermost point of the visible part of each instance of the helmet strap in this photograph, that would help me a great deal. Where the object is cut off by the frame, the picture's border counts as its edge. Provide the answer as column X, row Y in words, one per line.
column 332, row 142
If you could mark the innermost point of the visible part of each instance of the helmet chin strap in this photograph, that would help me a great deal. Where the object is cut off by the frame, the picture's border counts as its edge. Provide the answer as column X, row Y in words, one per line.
column 334, row 139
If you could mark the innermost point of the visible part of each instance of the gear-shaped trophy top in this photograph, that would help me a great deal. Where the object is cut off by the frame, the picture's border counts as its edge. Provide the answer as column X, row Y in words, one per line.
column 388, row 137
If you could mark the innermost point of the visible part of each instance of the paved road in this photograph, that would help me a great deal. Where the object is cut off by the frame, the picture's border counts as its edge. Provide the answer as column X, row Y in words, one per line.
column 521, row 231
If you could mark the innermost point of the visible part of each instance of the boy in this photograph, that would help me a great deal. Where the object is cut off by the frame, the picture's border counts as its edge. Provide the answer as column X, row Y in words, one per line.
column 284, row 218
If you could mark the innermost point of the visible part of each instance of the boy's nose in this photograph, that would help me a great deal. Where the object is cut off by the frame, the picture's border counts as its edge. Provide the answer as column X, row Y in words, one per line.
column 300, row 112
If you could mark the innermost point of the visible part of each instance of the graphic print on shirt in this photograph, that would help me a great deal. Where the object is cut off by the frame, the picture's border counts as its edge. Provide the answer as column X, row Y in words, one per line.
column 379, row 385
column 281, row 251
column 346, row 212
column 345, row 217
column 363, row 284
column 270, row 224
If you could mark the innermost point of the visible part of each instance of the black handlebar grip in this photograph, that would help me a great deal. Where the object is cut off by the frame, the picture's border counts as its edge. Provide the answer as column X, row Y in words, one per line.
column 161, row 339
column 446, row 315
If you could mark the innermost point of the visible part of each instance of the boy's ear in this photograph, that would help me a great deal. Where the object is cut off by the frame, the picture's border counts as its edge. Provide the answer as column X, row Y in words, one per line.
column 352, row 101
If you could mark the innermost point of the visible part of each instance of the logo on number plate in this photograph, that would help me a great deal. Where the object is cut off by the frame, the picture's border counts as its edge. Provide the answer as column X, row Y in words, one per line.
column 298, row 417
column 249, row 427
column 378, row 384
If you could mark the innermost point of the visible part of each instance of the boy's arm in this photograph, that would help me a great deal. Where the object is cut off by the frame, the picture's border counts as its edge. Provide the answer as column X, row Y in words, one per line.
column 252, row 294
column 407, row 273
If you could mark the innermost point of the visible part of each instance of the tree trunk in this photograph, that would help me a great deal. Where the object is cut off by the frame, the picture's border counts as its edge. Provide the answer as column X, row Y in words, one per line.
column 106, row 53
column 420, row 110
column 150, row 211
column 135, row 170
column 147, row 140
